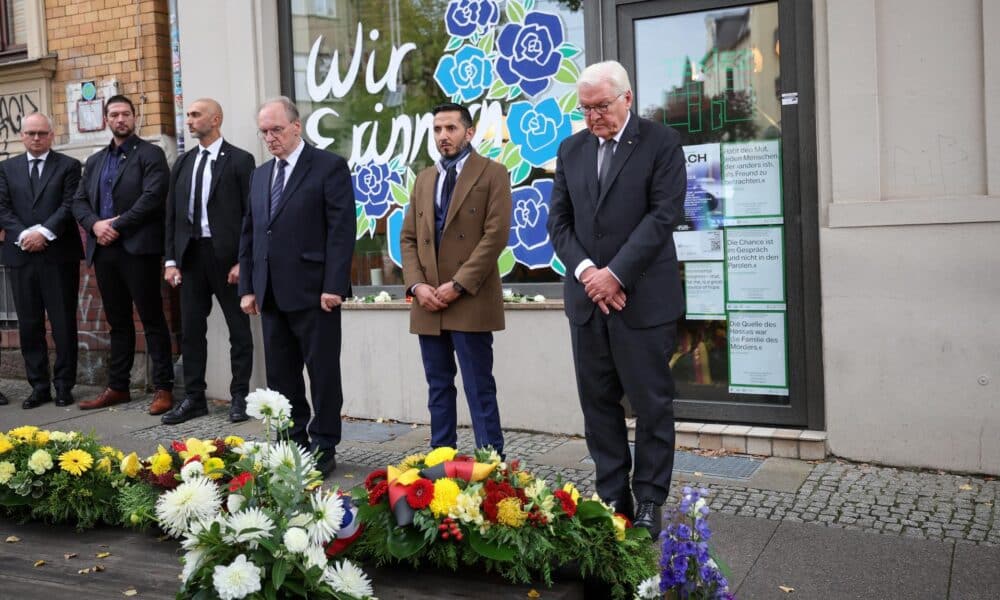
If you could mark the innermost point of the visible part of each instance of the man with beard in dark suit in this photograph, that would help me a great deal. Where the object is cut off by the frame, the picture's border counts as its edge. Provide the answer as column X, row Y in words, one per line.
column 209, row 191
column 43, row 250
column 120, row 205
column 618, row 194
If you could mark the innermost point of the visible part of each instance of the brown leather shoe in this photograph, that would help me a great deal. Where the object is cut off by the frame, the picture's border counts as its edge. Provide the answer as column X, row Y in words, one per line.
column 163, row 400
column 108, row 397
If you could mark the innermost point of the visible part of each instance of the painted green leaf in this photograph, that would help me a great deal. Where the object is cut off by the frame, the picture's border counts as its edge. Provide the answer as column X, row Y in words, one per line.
column 400, row 194
column 484, row 147
column 394, row 164
column 514, row 92
column 453, row 44
column 506, row 262
column 404, row 542
column 362, row 226
column 494, row 152
column 568, row 72
column 557, row 265
column 576, row 116
column 515, row 11
column 511, row 156
column 569, row 50
column 568, row 102
column 522, row 172
column 486, row 42
column 411, row 178
column 497, row 91
column 488, row 549
column 529, row 4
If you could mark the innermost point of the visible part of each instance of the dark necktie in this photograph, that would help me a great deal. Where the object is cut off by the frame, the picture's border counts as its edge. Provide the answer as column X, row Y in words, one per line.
column 36, row 175
column 199, row 180
column 604, row 162
column 278, row 187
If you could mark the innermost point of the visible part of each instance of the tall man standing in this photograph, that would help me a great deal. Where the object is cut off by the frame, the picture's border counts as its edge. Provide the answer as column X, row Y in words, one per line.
column 456, row 227
column 209, row 193
column 618, row 194
column 120, row 204
column 295, row 271
column 43, row 250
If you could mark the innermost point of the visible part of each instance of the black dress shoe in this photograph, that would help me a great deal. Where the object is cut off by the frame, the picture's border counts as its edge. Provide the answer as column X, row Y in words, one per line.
column 64, row 397
column 188, row 409
column 238, row 409
column 624, row 506
column 36, row 399
column 3, row 399
column 328, row 463
column 649, row 517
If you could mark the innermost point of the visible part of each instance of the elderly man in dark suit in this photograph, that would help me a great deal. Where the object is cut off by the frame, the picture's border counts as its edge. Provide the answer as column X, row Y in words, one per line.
column 43, row 250
column 618, row 194
column 456, row 227
column 209, row 192
column 120, row 205
column 295, row 271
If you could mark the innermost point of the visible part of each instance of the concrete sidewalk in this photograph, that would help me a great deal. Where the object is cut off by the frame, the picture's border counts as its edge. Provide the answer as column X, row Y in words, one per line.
column 826, row 529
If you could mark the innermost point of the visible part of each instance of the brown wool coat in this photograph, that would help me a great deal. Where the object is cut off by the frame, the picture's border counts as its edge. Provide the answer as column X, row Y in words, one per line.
column 475, row 233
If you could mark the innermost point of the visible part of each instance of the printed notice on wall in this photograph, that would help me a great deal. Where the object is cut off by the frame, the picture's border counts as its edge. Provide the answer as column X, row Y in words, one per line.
column 755, row 265
column 699, row 245
column 757, row 361
column 704, row 288
column 752, row 178
column 704, row 200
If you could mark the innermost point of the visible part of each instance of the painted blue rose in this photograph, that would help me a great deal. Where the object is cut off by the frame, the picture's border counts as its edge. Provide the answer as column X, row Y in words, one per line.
column 467, row 73
column 465, row 17
column 529, row 240
column 529, row 54
column 538, row 130
column 371, row 188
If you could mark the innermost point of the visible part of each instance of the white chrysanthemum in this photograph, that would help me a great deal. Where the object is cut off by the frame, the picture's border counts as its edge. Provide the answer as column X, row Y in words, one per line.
column 315, row 557
column 649, row 589
column 238, row 580
column 508, row 293
column 192, row 560
column 327, row 513
column 248, row 526
column 283, row 454
column 40, row 462
column 268, row 403
column 192, row 469
column 234, row 502
column 348, row 578
column 194, row 500
column 539, row 298
column 383, row 297
column 249, row 448
column 296, row 540
column 59, row 436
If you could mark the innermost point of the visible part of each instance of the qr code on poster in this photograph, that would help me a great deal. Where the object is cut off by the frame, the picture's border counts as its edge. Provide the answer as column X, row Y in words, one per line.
column 714, row 242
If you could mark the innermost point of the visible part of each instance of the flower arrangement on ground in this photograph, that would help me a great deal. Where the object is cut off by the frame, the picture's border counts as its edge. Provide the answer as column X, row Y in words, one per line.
column 449, row 510
column 688, row 569
column 56, row 476
column 263, row 528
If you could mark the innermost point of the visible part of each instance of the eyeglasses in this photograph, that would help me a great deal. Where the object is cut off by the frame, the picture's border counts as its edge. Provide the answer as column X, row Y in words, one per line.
column 272, row 132
column 599, row 108
column 35, row 134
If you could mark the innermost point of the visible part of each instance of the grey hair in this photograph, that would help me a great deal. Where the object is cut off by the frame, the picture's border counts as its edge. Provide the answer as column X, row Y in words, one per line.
column 610, row 71
column 291, row 111
column 48, row 119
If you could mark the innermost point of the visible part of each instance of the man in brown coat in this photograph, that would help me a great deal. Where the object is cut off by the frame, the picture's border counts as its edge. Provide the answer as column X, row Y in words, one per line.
column 455, row 229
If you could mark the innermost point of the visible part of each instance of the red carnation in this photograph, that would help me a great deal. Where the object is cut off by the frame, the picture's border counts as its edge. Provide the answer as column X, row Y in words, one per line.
column 378, row 492
column 566, row 500
column 420, row 493
column 374, row 478
column 237, row 483
column 178, row 446
column 515, row 465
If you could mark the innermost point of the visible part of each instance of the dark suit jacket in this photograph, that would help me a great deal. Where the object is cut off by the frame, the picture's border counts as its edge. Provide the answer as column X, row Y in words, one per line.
column 304, row 249
column 49, row 206
column 139, row 193
column 628, row 226
column 228, row 199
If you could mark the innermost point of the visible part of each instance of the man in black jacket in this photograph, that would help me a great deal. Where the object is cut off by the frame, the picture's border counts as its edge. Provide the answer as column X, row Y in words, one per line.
column 43, row 249
column 209, row 190
column 120, row 204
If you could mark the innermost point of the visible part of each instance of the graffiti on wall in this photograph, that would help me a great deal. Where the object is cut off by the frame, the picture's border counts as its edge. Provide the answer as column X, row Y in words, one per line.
column 13, row 108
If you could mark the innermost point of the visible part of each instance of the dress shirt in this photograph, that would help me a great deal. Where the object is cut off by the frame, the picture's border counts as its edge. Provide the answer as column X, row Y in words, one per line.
column 39, row 227
column 105, row 185
column 291, row 160
column 437, row 192
column 206, row 185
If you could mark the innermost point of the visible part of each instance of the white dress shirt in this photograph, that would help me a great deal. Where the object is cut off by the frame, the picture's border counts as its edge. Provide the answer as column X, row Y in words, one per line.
column 39, row 227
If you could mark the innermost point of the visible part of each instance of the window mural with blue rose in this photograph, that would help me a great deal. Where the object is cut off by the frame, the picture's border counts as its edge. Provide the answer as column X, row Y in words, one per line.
column 367, row 78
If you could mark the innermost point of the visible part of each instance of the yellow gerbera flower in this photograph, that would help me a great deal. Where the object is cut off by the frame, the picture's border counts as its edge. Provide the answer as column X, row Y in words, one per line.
column 161, row 463
column 440, row 455
column 76, row 462
column 24, row 433
column 196, row 447
column 412, row 461
column 108, row 451
column 41, row 438
column 104, row 465
column 233, row 441
column 509, row 512
column 213, row 467
column 131, row 465
column 445, row 499
column 5, row 445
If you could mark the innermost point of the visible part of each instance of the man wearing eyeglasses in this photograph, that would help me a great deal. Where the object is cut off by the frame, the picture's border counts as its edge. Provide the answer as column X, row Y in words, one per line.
column 618, row 194
column 295, row 271
column 43, row 250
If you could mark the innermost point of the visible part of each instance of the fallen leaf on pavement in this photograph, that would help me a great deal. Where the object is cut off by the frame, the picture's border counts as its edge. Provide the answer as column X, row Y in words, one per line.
column 12, row 539
column 98, row 568
column 69, row 555
column 786, row 589
column 103, row 554
column 348, row 475
column 130, row 592
column 39, row 563
column 534, row 594
column 965, row 487
column 698, row 474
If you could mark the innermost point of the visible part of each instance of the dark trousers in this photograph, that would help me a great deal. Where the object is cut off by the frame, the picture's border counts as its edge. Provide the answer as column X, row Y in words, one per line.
column 125, row 279
column 475, row 357
column 41, row 288
column 613, row 360
column 203, row 277
column 309, row 338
